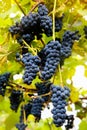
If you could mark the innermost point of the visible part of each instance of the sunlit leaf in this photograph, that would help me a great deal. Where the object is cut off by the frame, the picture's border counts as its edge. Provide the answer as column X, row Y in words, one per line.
column 83, row 124
column 74, row 95
column 5, row 5
column 11, row 121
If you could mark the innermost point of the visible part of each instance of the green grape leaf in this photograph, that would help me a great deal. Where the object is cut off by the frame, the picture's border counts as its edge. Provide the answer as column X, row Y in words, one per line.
column 83, row 124
column 2, row 127
column 78, row 105
column 25, row 2
column 11, row 120
column 83, row 92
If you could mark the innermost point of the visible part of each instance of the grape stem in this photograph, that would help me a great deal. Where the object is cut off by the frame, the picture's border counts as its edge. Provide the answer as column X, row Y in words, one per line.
column 23, row 88
column 83, row 98
column 43, row 95
column 61, row 81
column 29, row 47
column 42, row 42
column 33, row 8
column 54, row 8
column 19, row 7
column 28, row 90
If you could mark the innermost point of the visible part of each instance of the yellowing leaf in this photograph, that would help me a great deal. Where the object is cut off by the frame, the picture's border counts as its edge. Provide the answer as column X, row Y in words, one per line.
column 5, row 5
column 74, row 96
column 3, row 60
column 31, row 118
column 82, row 12
column 69, row 108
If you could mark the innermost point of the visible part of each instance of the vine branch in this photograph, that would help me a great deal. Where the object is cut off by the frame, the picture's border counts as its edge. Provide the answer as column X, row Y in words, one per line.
column 29, row 47
column 22, row 87
column 29, row 90
column 35, row 6
column 19, row 7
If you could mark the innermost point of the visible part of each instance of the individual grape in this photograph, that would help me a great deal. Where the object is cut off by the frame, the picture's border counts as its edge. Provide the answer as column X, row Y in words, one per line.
column 43, row 88
column 70, row 120
column 4, row 78
column 16, row 98
column 37, row 105
column 52, row 59
column 85, row 31
column 21, row 126
column 31, row 67
column 59, row 96
column 42, row 10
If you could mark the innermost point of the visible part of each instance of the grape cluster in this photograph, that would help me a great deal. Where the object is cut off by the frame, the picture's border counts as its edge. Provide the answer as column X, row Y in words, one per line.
column 4, row 78
column 58, row 23
column 43, row 88
column 25, row 109
column 37, row 105
column 31, row 25
column 16, row 98
column 15, row 29
column 59, row 96
column 31, row 67
column 85, row 31
column 67, row 44
column 21, row 126
column 42, row 10
column 34, row 25
column 51, row 52
column 70, row 120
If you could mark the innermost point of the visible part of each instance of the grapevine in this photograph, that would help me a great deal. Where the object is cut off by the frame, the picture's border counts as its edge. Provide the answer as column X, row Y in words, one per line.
column 40, row 65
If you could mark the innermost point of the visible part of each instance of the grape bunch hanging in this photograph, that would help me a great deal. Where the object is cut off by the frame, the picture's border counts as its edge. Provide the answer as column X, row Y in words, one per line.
column 42, row 65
